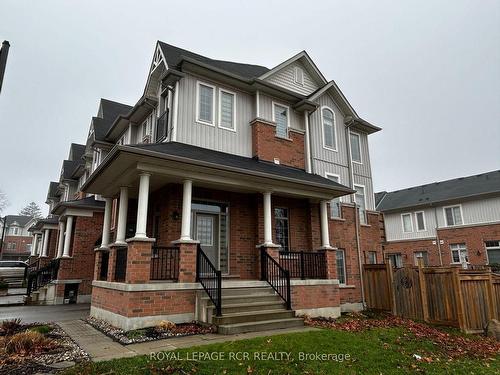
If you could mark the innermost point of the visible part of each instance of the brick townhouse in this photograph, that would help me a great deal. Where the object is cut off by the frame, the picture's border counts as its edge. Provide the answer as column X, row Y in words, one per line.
column 15, row 239
column 453, row 222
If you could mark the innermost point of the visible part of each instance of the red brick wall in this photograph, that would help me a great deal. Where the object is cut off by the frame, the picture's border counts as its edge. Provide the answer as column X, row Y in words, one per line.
column 21, row 245
column 267, row 146
column 314, row 296
column 473, row 237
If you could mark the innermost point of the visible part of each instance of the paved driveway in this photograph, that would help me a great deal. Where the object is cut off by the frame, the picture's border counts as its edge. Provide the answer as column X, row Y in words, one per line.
column 53, row 313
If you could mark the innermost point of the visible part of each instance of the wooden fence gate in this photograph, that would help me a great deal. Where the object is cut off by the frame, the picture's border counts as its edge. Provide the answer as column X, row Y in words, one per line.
column 468, row 299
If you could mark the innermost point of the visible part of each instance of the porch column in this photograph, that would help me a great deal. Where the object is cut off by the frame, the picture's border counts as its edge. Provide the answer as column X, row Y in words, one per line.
column 45, row 242
column 67, row 237
column 60, row 242
column 142, row 206
column 268, row 236
column 325, row 236
column 186, row 211
column 106, row 223
column 34, row 244
column 122, row 216
column 39, row 244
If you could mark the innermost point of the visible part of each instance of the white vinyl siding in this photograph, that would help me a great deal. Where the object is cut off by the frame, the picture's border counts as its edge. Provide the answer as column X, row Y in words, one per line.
column 286, row 77
column 407, row 223
column 355, row 140
column 329, row 133
column 281, row 117
column 453, row 215
column 205, row 103
column 227, row 110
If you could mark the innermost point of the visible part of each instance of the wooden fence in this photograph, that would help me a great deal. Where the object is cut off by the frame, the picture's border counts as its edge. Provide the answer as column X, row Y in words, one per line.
column 451, row 296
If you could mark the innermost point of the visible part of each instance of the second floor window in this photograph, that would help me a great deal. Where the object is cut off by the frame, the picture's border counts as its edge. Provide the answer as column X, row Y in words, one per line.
column 355, row 140
column 407, row 223
column 335, row 210
column 227, row 110
column 282, row 229
column 205, row 104
column 329, row 135
column 361, row 203
column 281, row 119
column 453, row 215
column 420, row 220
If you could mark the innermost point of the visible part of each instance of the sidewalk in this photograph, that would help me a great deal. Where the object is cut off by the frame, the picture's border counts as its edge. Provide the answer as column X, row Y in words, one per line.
column 101, row 348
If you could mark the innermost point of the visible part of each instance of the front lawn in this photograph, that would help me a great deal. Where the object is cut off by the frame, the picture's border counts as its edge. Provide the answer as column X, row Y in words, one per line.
column 392, row 350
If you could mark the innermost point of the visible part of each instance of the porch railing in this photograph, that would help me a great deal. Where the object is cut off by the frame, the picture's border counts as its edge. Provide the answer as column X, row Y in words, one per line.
column 277, row 276
column 121, row 264
column 162, row 127
column 210, row 278
column 164, row 263
column 42, row 276
column 304, row 264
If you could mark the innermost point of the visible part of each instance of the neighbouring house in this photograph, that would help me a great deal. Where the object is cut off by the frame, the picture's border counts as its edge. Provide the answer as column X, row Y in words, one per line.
column 16, row 244
column 220, row 182
column 453, row 222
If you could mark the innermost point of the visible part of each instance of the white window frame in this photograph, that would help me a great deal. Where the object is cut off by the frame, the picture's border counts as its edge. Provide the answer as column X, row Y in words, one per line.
column 344, row 266
column 274, row 104
column 335, row 148
column 327, row 175
column 461, row 215
column 459, row 249
column 364, row 199
column 198, row 120
column 403, row 222
column 486, row 248
column 368, row 256
column 360, row 148
column 423, row 219
column 233, row 129
column 421, row 252
column 296, row 75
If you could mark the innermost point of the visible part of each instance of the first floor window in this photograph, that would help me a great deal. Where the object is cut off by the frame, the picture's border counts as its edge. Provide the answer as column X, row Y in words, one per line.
column 493, row 251
column 421, row 254
column 335, row 211
column 282, row 229
column 341, row 271
column 453, row 215
column 407, row 223
column 361, row 203
column 205, row 104
column 459, row 253
column 396, row 260
column 372, row 257
column 281, row 119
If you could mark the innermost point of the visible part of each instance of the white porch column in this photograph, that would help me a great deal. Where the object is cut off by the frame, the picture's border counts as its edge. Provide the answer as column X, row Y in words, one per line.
column 33, row 244
column 142, row 206
column 268, row 236
column 106, row 223
column 67, row 237
column 122, row 216
column 325, row 236
column 45, row 242
column 60, row 242
column 39, row 244
column 186, row 211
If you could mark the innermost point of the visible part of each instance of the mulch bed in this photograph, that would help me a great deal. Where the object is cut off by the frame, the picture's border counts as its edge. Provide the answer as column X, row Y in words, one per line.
column 149, row 334
column 42, row 360
column 451, row 345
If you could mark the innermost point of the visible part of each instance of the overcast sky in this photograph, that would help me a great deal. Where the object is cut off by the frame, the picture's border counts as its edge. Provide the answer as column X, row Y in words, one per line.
column 428, row 73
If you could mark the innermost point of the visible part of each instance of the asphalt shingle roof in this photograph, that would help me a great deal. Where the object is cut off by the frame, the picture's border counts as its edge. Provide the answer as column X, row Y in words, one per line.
column 77, row 151
column 110, row 110
column 69, row 167
column 52, row 189
column 20, row 219
column 458, row 188
column 236, row 161
column 173, row 56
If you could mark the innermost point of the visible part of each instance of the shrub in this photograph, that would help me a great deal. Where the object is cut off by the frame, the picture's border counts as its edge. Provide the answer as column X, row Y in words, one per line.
column 9, row 327
column 41, row 329
column 165, row 325
column 136, row 333
column 29, row 342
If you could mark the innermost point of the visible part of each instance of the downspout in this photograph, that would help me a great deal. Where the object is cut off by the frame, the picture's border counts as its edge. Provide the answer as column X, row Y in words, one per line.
column 437, row 237
column 349, row 121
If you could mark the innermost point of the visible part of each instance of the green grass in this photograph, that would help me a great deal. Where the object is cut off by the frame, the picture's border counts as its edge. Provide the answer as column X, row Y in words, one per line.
column 378, row 351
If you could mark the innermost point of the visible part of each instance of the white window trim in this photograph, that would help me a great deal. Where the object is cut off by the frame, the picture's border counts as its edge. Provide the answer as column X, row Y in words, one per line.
column 334, row 129
column 273, row 103
column 233, row 129
column 345, row 267
column 461, row 215
column 198, row 120
column 416, row 221
column 360, row 148
column 452, row 250
column 295, row 75
column 486, row 248
column 364, row 199
column 403, row 222
column 328, row 174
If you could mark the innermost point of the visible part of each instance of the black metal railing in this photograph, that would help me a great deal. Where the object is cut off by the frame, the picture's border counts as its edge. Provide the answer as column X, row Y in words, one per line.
column 210, row 278
column 103, row 272
column 121, row 264
column 164, row 263
column 162, row 127
column 304, row 264
column 277, row 276
column 42, row 276
column 33, row 266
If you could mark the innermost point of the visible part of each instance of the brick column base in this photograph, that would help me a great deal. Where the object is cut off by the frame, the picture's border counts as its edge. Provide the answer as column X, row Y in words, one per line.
column 331, row 263
column 139, row 261
column 187, row 262
column 112, row 263
column 273, row 251
column 98, row 263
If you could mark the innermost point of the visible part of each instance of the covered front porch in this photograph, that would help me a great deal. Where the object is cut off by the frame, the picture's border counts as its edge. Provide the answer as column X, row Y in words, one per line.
column 173, row 229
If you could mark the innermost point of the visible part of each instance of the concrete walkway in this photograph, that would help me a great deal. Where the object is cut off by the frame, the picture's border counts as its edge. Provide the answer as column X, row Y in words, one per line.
column 101, row 348
column 52, row 313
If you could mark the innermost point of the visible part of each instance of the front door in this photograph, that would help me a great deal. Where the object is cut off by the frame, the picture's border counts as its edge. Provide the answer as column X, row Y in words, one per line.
column 206, row 230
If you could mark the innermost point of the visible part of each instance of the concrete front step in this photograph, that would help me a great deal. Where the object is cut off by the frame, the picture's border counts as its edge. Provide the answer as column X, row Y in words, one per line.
column 231, row 329
column 252, row 306
column 239, row 299
column 253, row 316
column 227, row 292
